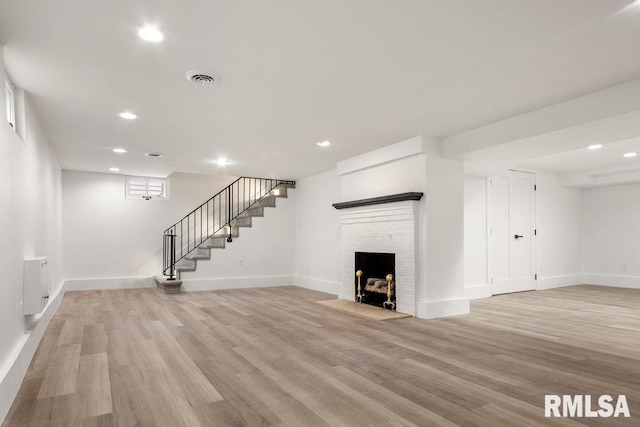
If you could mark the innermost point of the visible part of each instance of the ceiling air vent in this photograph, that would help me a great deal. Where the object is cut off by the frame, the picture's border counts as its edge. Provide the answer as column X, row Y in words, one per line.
column 200, row 77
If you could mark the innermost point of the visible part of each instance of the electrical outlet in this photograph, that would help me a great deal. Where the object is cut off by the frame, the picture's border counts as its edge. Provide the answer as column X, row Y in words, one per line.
column 241, row 262
column 623, row 267
column 565, row 266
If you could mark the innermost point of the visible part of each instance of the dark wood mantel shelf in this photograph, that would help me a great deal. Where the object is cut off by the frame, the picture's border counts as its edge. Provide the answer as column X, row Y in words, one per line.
column 379, row 200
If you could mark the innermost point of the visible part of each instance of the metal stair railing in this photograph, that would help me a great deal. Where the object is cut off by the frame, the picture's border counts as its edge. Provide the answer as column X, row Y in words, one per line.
column 213, row 216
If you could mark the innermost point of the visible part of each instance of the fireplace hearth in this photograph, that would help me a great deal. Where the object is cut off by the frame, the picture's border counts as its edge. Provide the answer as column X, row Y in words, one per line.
column 375, row 279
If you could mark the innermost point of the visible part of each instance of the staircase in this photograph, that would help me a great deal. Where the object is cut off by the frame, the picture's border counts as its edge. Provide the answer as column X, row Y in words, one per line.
column 214, row 224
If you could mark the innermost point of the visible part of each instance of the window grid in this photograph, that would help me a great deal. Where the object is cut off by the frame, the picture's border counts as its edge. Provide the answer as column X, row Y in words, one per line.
column 138, row 187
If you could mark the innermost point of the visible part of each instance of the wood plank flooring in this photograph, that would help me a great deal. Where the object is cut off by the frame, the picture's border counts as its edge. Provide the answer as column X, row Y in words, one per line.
column 273, row 357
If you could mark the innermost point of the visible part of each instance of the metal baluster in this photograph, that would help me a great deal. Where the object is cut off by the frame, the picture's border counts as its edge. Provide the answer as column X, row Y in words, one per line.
column 172, row 247
column 164, row 252
column 229, row 195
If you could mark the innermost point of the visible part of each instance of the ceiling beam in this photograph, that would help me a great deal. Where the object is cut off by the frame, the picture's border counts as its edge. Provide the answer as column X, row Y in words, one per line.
column 608, row 115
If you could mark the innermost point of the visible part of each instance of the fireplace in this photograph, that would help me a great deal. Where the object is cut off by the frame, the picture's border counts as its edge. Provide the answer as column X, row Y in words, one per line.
column 384, row 225
column 372, row 287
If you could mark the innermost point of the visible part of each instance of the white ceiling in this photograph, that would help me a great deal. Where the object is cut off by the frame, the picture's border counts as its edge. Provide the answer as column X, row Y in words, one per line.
column 602, row 160
column 361, row 73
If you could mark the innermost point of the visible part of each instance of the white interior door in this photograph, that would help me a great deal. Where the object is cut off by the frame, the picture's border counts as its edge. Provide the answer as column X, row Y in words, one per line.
column 499, row 238
column 512, row 232
column 521, row 224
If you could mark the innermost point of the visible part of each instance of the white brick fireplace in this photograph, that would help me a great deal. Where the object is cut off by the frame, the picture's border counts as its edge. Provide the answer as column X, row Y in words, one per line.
column 427, row 238
column 387, row 228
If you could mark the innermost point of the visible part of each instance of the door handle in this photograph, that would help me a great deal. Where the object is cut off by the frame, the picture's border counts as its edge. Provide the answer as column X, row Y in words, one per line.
column 517, row 236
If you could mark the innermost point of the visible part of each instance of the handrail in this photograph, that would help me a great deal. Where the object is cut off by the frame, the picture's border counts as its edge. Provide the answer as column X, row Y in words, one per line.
column 216, row 195
column 212, row 216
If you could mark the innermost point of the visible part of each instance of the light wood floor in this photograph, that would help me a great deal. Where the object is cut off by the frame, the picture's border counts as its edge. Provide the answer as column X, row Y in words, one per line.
column 273, row 357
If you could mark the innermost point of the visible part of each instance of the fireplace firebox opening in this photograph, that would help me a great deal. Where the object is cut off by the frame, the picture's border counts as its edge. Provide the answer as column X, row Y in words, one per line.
column 377, row 280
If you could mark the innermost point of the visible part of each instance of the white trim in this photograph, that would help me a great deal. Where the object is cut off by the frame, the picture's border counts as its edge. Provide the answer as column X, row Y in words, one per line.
column 612, row 280
column 190, row 285
column 328, row 286
column 477, row 291
column 10, row 95
column 12, row 373
column 442, row 308
column 552, row 282
column 109, row 283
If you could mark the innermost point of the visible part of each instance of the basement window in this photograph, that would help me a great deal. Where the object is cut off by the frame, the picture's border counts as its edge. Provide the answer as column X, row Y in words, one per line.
column 11, row 104
column 147, row 188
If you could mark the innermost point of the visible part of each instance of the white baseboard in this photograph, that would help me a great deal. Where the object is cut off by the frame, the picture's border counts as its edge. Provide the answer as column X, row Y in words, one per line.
column 442, row 308
column 108, row 283
column 551, row 282
column 321, row 285
column 611, row 280
column 477, row 291
column 15, row 368
column 190, row 285
column 483, row 290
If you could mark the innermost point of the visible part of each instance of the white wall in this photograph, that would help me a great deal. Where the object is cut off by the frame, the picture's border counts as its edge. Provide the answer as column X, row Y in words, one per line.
column 475, row 238
column 317, row 234
column 111, row 241
column 262, row 255
column 612, row 235
column 443, row 259
column 393, row 177
column 559, row 241
column 31, row 217
column 108, row 238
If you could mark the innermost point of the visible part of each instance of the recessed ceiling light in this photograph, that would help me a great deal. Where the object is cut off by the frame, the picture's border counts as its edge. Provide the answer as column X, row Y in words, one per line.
column 595, row 147
column 221, row 162
column 114, row 169
column 153, row 154
column 128, row 115
column 119, row 150
column 323, row 143
column 630, row 154
column 151, row 34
